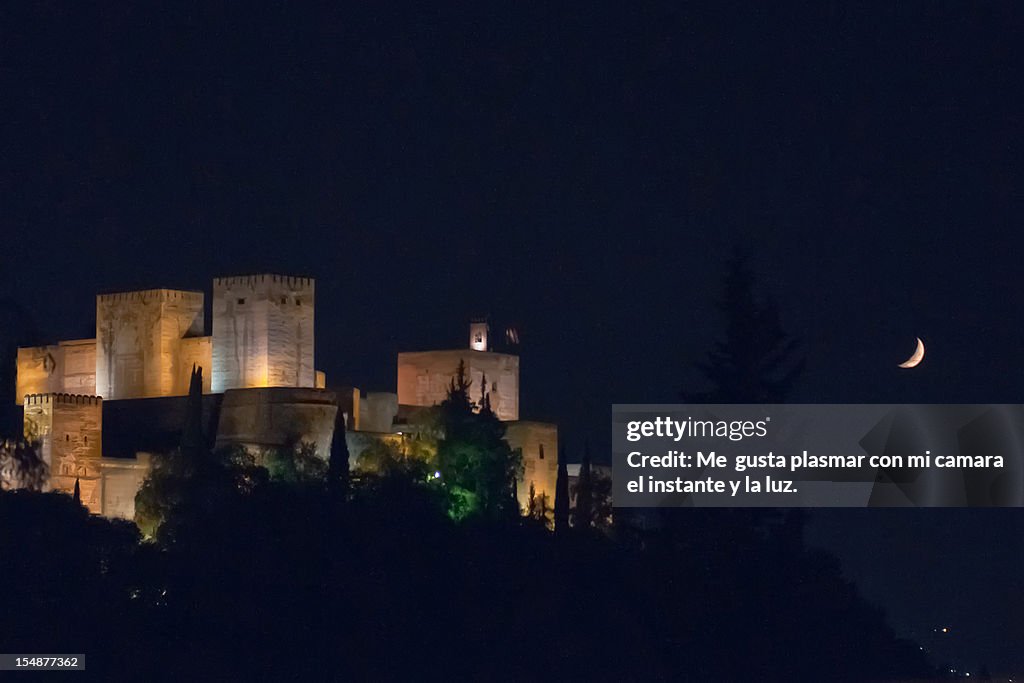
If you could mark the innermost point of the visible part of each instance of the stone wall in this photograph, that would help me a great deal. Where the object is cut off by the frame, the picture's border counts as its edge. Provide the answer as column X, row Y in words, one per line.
column 274, row 417
column 197, row 351
column 377, row 411
column 69, row 429
column 68, row 367
column 263, row 332
column 539, row 444
column 138, row 341
column 424, row 377
column 121, row 479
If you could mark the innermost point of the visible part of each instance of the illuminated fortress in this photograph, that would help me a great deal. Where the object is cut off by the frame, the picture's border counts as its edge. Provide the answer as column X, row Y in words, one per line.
column 100, row 407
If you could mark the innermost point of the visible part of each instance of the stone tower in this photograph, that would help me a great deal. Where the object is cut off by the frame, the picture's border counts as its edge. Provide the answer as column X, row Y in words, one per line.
column 262, row 332
column 139, row 337
column 478, row 330
column 69, row 430
column 424, row 376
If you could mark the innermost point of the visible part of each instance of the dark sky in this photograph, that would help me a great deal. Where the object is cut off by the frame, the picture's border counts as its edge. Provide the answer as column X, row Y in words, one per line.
column 581, row 172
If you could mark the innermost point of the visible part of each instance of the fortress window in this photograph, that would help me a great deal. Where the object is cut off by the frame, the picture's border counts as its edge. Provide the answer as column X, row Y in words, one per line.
column 67, row 437
column 298, row 302
column 494, row 386
column 541, row 451
column 241, row 301
column 284, row 300
column 86, row 439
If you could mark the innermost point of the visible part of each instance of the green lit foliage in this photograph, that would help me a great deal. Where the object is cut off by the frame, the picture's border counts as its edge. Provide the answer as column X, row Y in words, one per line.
column 462, row 503
column 21, row 466
column 478, row 467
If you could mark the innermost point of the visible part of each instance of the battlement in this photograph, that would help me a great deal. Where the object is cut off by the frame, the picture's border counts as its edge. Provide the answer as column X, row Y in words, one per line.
column 254, row 281
column 149, row 295
column 263, row 332
column 65, row 399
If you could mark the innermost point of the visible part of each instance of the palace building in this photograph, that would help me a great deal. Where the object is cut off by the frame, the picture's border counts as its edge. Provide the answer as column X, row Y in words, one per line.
column 101, row 408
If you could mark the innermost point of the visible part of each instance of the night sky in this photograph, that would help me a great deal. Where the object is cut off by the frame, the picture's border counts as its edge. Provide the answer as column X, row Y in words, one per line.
column 582, row 173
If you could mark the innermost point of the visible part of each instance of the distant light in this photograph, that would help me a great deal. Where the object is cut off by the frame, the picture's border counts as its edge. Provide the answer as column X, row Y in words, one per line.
column 946, row 630
column 437, row 475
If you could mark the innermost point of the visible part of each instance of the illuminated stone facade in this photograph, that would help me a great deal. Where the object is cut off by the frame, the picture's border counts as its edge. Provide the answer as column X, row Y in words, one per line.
column 263, row 332
column 478, row 332
column 65, row 368
column 538, row 442
column 69, row 432
column 120, row 480
column 276, row 417
column 377, row 411
column 260, row 380
column 424, row 378
column 139, row 342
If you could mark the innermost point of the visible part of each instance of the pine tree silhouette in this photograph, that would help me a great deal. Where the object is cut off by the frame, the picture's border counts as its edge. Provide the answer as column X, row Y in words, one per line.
column 755, row 361
column 78, row 492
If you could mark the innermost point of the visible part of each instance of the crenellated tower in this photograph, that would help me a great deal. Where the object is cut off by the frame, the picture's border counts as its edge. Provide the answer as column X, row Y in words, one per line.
column 69, row 430
column 139, row 340
column 263, row 332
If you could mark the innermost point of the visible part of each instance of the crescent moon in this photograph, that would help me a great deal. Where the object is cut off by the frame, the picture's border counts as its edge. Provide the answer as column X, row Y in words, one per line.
column 915, row 359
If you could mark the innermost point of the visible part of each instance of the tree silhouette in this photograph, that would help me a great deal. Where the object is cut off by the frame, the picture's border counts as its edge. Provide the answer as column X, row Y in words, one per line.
column 477, row 465
column 78, row 492
column 21, row 466
column 537, row 507
column 193, row 440
column 755, row 361
column 338, row 473
column 601, row 499
column 562, row 492
column 193, row 482
column 583, row 516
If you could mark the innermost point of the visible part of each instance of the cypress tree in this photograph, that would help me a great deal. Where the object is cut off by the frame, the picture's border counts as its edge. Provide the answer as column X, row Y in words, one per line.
column 485, row 398
column 337, row 464
column 562, row 492
column 584, row 493
column 192, row 440
column 78, row 492
column 514, row 505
